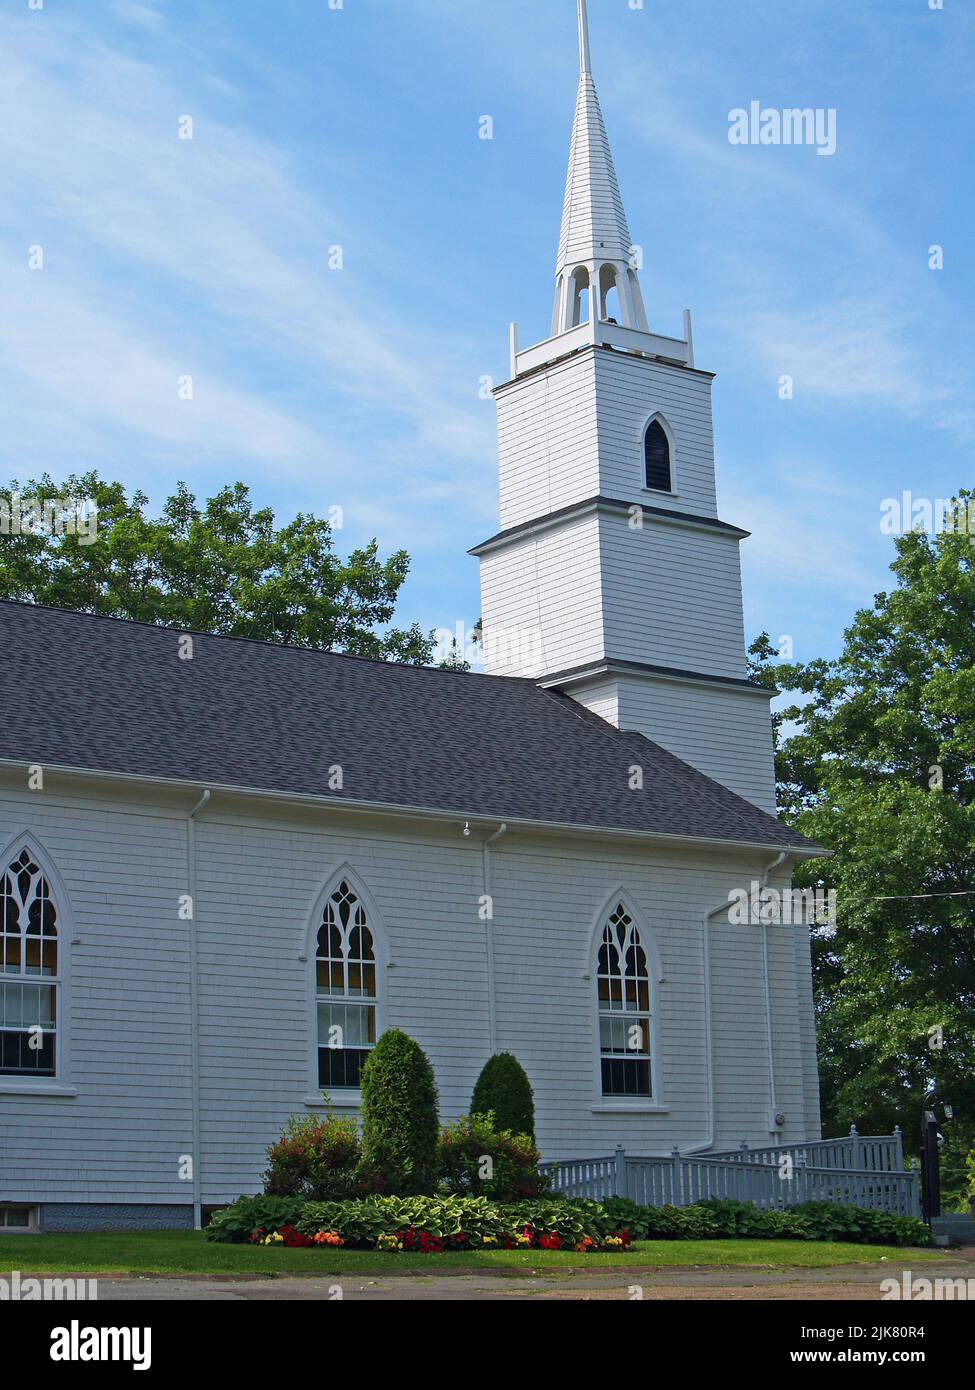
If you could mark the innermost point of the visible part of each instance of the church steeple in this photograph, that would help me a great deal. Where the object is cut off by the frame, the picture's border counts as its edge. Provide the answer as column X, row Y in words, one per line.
column 595, row 250
column 612, row 579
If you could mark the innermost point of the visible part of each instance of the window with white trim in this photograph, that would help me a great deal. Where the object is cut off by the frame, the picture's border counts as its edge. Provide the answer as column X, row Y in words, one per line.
column 17, row 1218
column 29, row 980
column 345, row 988
column 623, row 985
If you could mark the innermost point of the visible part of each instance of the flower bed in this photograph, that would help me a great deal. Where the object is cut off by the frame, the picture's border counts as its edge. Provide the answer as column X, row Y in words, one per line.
column 435, row 1225
column 429, row 1225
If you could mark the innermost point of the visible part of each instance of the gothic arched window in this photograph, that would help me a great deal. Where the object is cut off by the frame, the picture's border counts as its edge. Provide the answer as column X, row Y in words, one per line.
column 623, row 983
column 657, row 457
column 345, row 990
column 29, row 978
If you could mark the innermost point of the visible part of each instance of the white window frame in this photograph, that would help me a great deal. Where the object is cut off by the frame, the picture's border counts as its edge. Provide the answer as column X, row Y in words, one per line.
column 655, row 1103
column 349, row 1098
column 33, row 1219
column 59, row 1083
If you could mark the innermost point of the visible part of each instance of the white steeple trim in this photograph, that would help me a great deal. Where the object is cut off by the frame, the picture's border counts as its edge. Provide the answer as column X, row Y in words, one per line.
column 585, row 61
column 594, row 247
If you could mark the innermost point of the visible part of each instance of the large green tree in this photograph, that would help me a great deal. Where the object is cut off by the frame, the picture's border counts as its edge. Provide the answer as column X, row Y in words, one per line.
column 877, row 762
column 219, row 567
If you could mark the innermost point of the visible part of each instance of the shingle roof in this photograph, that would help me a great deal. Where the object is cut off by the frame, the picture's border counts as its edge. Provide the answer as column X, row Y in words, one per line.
column 99, row 694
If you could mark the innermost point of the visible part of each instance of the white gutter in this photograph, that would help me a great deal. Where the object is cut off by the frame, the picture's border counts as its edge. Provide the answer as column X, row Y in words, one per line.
column 195, row 1011
column 385, row 808
column 492, row 1002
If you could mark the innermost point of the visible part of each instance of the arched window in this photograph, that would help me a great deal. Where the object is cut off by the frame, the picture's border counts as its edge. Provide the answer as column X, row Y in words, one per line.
column 657, row 456
column 29, row 978
column 623, row 982
column 345, row 989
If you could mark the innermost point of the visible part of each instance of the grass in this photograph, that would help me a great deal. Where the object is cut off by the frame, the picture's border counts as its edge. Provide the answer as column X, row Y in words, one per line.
column 187, row 1253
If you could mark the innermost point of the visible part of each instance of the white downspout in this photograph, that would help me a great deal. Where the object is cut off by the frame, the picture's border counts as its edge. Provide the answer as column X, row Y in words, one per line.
column 708, row 1028
column 772, row 1100
column 195, row 1011
column 708, row 1023
column 489, row 938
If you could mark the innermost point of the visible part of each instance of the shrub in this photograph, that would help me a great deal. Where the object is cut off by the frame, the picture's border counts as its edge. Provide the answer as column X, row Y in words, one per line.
column 319, row 1158
column 503, row 1089
column 629, row 1215
column 512, row 1171
column 249, row 1214
column 399, row 1115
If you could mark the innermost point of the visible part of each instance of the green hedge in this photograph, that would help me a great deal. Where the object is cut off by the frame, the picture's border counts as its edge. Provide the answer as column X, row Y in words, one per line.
column 434, row 1224
column 720, row 1220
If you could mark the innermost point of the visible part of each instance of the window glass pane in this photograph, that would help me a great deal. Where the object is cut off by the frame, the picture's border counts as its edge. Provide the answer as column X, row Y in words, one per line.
column 340, row 1068
column 356, row 1024
column 23, row 1005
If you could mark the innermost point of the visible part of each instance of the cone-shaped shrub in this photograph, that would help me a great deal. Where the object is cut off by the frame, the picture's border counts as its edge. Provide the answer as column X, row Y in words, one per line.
column 503, row 1089
column 400, row 1124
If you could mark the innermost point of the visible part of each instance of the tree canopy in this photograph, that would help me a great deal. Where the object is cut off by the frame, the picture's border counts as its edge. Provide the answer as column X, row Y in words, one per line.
column 878, row 764
column 220, row 567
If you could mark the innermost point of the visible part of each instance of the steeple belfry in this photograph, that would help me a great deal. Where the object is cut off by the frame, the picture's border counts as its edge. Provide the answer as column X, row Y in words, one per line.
column 595, row 250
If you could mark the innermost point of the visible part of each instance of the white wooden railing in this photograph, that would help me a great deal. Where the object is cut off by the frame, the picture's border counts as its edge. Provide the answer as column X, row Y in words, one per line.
column 858, row 1172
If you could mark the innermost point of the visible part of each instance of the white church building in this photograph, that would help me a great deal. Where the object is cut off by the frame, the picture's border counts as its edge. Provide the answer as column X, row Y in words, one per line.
column 202, row 925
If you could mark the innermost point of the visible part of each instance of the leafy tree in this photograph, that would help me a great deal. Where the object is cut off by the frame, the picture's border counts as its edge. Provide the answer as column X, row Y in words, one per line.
column 879, row 766
column 503, row 1089
column 221, row 567
column 400, row 1126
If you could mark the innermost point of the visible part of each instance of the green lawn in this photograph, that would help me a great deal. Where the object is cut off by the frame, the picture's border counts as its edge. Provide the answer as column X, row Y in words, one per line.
column 186, row 1252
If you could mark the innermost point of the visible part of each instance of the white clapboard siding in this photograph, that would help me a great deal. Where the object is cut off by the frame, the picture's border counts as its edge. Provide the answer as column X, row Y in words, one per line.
column 543, row 592
column 671, row 596
column 574, row 430
column 722, row 731
column 124, row 865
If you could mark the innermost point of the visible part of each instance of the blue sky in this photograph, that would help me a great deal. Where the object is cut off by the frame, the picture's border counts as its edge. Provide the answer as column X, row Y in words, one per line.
column 358, row 387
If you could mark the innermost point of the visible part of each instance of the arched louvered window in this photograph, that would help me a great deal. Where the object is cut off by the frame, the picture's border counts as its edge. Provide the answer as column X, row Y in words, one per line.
column 657, row 457
column 29, row 979
column 345, row 987
column 623, row 983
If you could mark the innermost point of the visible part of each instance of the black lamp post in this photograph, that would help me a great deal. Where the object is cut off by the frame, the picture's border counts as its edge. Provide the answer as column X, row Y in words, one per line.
column 930, row 1158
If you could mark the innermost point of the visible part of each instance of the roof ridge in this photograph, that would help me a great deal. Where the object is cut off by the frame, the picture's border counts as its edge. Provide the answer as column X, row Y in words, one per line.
column 254, row 641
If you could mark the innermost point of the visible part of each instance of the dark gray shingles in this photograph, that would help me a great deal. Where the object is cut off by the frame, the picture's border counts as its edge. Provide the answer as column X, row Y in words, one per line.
column 110, row 696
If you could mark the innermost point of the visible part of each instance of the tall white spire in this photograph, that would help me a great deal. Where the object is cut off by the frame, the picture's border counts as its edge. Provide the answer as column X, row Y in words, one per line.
column 595, row 247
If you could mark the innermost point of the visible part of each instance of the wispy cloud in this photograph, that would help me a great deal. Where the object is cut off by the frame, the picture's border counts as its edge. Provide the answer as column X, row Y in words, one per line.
column 165, row 256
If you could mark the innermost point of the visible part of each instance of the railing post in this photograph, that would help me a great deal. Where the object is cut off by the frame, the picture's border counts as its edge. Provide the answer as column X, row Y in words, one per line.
column 855, row 1148
column 620, row 1158
column 898, row 1150
column 675, row 1159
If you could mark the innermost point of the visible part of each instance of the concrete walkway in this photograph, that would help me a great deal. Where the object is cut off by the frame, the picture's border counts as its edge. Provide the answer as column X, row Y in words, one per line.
column 859, row 1282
